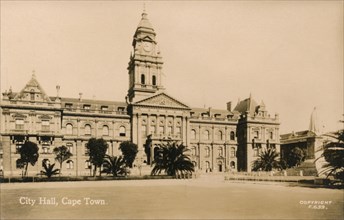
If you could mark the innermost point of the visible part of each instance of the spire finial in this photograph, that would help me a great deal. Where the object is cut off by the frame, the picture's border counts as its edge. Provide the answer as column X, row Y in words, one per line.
column 33, row 73
column 144, row 7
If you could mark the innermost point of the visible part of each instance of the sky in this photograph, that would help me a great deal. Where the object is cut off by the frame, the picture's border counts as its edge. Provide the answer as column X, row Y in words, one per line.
column 287, row 53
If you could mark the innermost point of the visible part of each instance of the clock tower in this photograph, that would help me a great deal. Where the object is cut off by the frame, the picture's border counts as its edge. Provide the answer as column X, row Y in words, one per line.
column 145, row 65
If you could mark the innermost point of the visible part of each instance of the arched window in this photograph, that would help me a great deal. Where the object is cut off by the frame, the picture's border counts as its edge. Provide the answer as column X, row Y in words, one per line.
column 69, row 129
column 105, row 130
column 154, row 80
column 32, row 95
column 219, row 164
column 232, row 164
column 143, row 79
column 232, row 136
column 207, row 152
column 207, row 166
column 70, row 164
column 206, row 135
column 232, row 152
column 122, row 131
column 87, row 129
column 219, row 135
column 271, row 135
column 193, row 134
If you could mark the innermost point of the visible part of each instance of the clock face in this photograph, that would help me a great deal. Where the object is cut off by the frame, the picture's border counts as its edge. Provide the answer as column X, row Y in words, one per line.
column 147, row 46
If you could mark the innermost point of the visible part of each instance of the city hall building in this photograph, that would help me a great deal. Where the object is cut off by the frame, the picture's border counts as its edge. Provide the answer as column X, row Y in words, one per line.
column 219, row 140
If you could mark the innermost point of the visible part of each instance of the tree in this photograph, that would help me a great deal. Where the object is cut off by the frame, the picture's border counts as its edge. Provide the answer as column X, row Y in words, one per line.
column 334, row 156
column 171, row 159
column 97, row 150
column 49, row 170
column 115, row 166
column 129, row 151
column 295, row 157
column 62, row 154
column 268, row 160
column 28, row 155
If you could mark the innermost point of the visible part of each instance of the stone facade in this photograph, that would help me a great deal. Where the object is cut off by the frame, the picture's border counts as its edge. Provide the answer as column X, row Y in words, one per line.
column 219, row 140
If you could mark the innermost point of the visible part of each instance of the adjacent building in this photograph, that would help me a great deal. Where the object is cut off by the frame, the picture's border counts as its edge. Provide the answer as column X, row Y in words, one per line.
column 219, row 139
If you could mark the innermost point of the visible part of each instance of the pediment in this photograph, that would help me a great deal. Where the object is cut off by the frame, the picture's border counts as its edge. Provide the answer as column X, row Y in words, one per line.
column 162, row 100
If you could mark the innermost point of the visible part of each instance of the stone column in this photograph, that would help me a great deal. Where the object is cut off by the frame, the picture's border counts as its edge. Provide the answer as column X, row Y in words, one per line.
column 139, row 136
column 183, row 127
column 134, row 131
column 187, row 131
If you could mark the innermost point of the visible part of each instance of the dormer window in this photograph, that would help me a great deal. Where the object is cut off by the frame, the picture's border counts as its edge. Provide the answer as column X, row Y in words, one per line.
column 87, row 107
column 68, row 105
column 120, row 109
column 32, row 95
column 104, row 108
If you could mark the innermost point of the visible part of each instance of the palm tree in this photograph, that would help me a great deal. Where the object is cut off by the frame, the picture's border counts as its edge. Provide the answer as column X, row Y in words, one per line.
column 334, row 156
column 115, row 166
column 171, row 159
column 268, row 160
column 62, row 154
column 49, row 170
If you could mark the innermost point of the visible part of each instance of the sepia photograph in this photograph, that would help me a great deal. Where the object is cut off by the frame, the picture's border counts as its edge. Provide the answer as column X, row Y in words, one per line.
column 171, row 109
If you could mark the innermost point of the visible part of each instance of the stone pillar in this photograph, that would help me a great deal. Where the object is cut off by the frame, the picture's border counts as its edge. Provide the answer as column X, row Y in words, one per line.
column 187, row 131
column 139, row 136
column 133, row 128
column 184, row 127
column 95, row 128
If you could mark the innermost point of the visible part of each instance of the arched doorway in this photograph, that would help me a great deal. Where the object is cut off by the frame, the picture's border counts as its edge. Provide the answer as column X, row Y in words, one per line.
column 220, row 166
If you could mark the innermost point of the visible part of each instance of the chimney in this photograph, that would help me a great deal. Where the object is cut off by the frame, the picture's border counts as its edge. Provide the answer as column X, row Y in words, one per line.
column 80, row 96
column 229, row 106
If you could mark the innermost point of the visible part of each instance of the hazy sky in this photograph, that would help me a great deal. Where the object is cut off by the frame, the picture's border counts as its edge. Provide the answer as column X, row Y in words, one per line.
column 289, row 54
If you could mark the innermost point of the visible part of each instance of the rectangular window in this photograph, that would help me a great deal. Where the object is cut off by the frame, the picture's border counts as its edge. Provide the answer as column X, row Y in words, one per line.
column 152, row 129
column 169, row 130
column 144, row 130
column 161, row 130
column 256, row 134
column 45, row 125
column 70, row 147
column 45, row 149
column 19, row 124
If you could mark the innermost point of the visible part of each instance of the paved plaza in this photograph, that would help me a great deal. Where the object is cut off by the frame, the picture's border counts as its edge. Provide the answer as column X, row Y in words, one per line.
column 168, row 199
